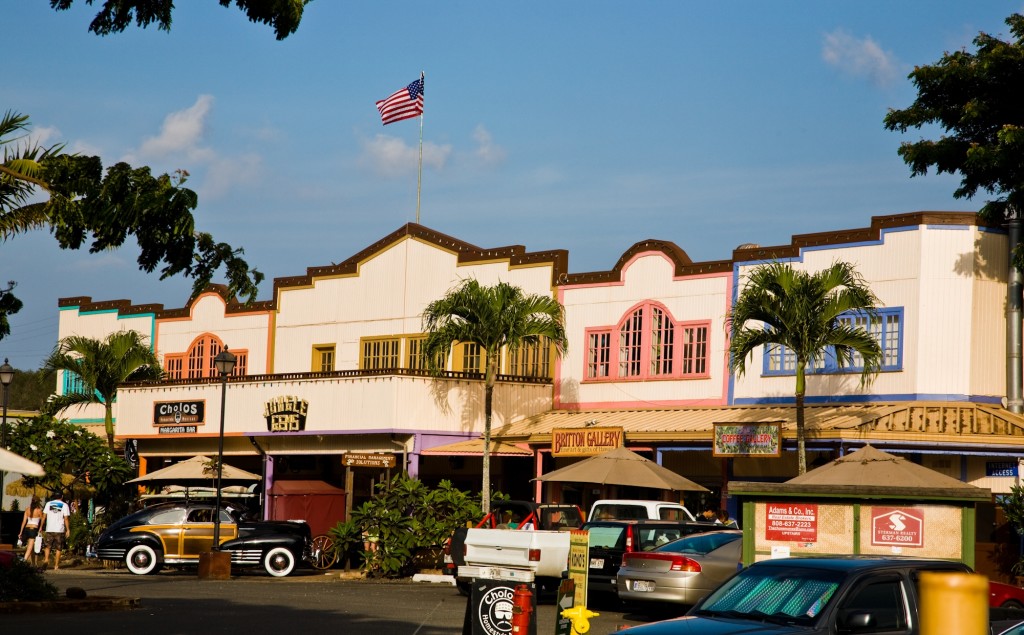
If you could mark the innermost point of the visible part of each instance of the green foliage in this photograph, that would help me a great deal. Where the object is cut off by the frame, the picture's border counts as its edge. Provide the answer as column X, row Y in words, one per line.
column 9, row 305
column 21, row 582
column 85, row 203
column 408, row 519
column 493, row 317
column 783, row 306
column 76, row 461
column 31, row 388
column 975, row 99
column 117, row 15
column 101, row 366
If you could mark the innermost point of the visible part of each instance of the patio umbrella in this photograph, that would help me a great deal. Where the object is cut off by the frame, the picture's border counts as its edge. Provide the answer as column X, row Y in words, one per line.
column 622, row 467
column 11, row 462
column 198, row 469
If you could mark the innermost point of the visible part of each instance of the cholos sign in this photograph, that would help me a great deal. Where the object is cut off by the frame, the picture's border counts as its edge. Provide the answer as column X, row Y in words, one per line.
column 897, row 527
column 585, row 441
column 175, row 413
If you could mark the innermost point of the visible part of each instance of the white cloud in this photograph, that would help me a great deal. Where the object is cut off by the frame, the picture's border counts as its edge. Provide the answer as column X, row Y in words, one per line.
column 487, row 151
column 859, row 57
column 391, row 156
column 223, row 174
column 181, row 143
column 182, row 132
column 44, row 136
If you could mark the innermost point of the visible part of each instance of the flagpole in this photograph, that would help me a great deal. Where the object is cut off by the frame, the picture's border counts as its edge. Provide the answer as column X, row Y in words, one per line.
column 419, row 177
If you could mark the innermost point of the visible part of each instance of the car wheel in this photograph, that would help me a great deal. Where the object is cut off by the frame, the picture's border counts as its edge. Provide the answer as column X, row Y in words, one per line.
column 142, row 560
column 279, row 562
column 463, row 587
column 1011, row 604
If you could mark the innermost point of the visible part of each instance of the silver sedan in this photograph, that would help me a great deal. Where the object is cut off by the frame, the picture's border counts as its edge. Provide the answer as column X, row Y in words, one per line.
column 683, row 571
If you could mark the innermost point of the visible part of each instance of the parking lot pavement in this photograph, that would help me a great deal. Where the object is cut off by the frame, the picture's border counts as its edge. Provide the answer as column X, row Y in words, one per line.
column 177, row 602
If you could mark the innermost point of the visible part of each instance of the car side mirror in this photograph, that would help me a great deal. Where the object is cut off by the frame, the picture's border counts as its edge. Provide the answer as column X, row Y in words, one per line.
column 856, row 621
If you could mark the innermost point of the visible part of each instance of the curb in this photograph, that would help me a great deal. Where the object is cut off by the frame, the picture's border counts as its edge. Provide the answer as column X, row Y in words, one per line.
column 97, row 603
column 437, row 578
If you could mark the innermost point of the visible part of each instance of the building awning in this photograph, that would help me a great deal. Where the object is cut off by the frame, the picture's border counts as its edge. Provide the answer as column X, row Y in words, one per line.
column 960, row 423
column 475, row 447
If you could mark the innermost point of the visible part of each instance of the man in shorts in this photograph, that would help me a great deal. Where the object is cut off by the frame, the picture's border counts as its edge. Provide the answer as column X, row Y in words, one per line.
column 56, row 528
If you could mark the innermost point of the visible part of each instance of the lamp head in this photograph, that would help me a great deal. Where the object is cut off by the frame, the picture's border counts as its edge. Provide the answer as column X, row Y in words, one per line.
column 6, row 373
column 224, row 362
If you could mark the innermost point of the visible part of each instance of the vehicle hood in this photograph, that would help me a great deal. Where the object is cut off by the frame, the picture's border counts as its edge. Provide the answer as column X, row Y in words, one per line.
column 693, row 625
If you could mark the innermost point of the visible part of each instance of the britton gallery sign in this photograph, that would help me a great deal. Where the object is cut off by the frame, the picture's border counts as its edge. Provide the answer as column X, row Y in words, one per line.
column 585, row 441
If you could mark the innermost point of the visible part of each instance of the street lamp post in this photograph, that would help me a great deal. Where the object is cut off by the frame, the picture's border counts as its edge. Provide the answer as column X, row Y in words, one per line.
column 224, row 362
column 6, row 377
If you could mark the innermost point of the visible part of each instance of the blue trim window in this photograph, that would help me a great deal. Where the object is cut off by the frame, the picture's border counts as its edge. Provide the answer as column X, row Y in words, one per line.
column 72, row 383
column 887, row 329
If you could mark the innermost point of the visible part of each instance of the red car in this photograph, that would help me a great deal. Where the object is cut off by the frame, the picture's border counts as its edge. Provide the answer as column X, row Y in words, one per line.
column 1005, row 596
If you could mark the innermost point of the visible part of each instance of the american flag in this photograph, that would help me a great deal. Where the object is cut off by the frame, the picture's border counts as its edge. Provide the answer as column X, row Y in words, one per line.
column 403, row 104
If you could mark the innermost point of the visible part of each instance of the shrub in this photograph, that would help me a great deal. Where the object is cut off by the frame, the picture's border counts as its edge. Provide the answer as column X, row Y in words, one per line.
column 409, row 522
column 21, row 582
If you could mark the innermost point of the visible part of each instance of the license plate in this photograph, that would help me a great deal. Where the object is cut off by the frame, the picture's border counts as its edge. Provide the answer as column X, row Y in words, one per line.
column 643, row 585
column 597, row 563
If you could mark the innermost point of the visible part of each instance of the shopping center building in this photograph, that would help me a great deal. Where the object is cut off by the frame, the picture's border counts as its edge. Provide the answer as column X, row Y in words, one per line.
column 330, row 386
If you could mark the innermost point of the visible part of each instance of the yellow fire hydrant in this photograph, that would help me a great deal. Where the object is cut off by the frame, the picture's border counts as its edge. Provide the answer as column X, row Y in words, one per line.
column 580, row 618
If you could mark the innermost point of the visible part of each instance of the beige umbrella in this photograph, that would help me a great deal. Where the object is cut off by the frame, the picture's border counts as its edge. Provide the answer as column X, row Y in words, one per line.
column 622, row 467
column 198, row 468
column 11, row 462
column 871, row 467
column 72, row 487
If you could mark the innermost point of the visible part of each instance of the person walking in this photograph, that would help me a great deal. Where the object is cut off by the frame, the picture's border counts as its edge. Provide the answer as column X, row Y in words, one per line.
column 31, row 523
column 56, row 528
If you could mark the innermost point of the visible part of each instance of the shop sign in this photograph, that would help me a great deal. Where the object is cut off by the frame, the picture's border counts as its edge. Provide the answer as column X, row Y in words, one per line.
column 286, row 414
column 586, row 441
column 579, row 564
column 897, row 527
column 355, row 459
column 792, row 522
column 1001, row 468
column 747, row 439
column 177, row 429
column 176, row 413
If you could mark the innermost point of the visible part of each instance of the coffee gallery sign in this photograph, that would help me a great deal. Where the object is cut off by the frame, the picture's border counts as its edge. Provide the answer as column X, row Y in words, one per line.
column 585, row 441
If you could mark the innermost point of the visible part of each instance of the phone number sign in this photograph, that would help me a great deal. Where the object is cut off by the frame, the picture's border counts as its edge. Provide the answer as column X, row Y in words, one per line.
column 795, row 522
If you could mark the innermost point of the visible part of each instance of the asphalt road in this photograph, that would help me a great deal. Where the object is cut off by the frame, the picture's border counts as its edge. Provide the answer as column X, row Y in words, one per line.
column 178, row 603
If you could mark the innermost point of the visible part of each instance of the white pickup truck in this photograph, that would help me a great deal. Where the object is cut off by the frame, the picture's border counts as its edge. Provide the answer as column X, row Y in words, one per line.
column 541, row 555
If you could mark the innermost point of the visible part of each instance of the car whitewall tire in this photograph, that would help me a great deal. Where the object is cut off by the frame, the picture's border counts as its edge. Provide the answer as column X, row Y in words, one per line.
column 142, row 560
column 279, row 562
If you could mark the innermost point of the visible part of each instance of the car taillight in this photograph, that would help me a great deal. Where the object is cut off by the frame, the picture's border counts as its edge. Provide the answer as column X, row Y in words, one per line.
column 676, row 562
column 629, row 539
column 447, row 547
column 534, row 555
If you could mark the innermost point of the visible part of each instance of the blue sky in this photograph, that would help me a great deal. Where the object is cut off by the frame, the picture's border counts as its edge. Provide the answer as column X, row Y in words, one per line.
column 585, row 126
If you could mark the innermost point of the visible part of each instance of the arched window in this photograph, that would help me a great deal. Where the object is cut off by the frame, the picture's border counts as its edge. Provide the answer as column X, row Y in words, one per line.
column 651, row 344
column 197, row 362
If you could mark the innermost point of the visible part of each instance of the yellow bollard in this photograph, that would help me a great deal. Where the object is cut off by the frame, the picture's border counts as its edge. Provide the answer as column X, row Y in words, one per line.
column 953, row 603
column 580, row 617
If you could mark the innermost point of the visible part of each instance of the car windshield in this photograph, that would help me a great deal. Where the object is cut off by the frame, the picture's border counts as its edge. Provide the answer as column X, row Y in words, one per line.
column 606, row 536
column 785, row 595
column 701, row 544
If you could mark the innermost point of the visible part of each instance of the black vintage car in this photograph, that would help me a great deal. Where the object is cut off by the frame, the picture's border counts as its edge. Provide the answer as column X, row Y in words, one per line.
column 176, row 533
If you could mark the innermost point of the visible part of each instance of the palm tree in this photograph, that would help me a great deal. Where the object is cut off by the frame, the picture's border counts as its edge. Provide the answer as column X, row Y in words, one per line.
column 492, row 317
column 102, row 366
column 801, row 312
